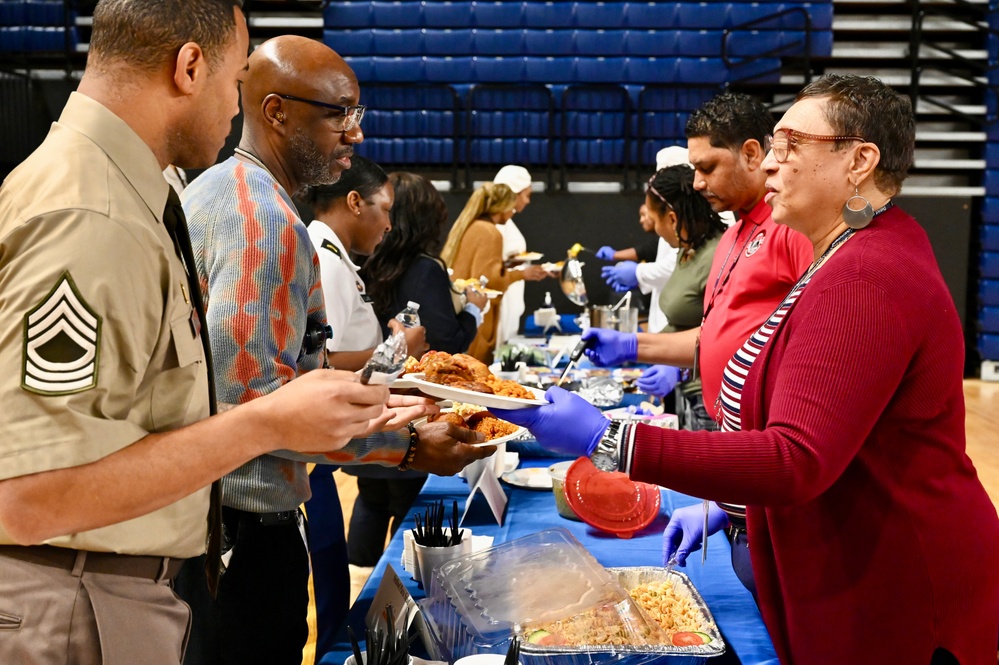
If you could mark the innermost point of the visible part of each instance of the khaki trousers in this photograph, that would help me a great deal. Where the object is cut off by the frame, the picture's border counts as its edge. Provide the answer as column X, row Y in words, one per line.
column 52, row 616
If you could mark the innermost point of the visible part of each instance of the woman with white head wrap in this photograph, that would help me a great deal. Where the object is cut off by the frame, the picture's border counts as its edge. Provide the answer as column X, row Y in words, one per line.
column 518, row 179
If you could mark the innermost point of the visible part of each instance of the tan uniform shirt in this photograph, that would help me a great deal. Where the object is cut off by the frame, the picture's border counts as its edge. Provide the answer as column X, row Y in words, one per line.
column 97, row 347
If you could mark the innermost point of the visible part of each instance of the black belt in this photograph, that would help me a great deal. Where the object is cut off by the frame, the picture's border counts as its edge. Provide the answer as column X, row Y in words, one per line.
column 268, row 519
column 146, row 567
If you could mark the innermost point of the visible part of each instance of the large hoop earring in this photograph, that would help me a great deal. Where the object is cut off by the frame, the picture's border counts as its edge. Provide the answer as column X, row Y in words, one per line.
column 860, row 217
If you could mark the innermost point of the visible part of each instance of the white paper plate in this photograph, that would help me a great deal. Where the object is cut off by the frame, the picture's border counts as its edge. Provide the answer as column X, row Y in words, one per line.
column 533, row 478
column 472, row 397
column 492, row 442
column 527, row 256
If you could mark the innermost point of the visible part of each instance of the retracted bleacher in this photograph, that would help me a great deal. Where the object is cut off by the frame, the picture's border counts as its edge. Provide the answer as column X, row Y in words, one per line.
column 622, row 77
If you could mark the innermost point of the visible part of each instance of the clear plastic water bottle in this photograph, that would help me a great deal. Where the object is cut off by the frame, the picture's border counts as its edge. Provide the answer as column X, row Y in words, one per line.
column 548, row 298
column 410, row 315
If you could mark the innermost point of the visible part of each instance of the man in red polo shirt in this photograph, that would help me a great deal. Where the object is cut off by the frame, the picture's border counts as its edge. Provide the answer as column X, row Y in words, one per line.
column 756, row 264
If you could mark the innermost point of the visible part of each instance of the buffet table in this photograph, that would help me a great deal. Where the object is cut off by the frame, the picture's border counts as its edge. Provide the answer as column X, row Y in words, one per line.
column 530, row 511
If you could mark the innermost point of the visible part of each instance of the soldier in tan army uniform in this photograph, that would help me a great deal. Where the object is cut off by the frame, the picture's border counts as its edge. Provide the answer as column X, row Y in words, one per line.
column 104, row 467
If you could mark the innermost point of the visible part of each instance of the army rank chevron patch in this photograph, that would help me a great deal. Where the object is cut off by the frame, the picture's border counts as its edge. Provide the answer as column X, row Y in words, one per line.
column 61, row 343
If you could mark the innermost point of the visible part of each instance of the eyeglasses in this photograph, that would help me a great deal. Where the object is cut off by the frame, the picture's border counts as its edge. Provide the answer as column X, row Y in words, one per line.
column 783, row 141
column 350, row 118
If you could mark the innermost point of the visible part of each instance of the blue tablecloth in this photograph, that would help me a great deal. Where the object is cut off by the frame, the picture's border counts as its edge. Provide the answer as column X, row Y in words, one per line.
column 532, row 511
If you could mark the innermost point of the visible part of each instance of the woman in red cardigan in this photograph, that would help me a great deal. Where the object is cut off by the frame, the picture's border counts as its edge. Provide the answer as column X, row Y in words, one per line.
column 873, row 539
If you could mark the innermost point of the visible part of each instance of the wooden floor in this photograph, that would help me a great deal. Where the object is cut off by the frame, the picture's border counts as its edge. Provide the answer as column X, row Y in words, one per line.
column 982, row 426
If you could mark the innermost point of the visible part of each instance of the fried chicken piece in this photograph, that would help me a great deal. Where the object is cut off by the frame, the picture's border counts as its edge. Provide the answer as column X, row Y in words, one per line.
column 458, row 382
column 489, row 425
column 448, row 417
column 473, row 366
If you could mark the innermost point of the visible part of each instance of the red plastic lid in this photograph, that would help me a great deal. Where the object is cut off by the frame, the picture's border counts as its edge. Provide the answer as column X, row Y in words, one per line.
column 610, row 501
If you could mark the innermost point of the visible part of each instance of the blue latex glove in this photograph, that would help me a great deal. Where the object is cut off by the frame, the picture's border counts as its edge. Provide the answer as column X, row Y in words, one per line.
column 610, row 347
column 606, row 253
column 685, row 530
column 622, row 276
column 658, row 380
column 569, row 424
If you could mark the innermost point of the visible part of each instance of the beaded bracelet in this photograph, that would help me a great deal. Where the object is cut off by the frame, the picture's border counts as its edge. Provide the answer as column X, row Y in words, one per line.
column 414, row 439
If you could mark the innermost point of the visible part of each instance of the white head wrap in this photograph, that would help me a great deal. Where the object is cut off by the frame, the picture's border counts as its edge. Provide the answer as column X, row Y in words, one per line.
column 671, row 156
column 515, row 177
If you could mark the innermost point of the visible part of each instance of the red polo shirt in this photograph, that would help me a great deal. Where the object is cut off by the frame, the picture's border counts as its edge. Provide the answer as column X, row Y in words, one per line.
column 756, row 264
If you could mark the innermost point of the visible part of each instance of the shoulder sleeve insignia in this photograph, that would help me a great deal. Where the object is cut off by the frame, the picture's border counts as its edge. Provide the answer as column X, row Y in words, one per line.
column 61, row 343
column 328, row 244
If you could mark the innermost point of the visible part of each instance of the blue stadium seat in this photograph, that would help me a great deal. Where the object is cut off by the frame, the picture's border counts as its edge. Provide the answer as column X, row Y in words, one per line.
column 498, row 42
column 543, row 15
column 38, row 38
column 449, row 69
column 699, row 42
column 548, row 42
column 389, row 69
column 705, row 15
column 497, row 70
column 988, row 294
column 397, row 14
column 447, row 41
column 988, row 346
column 602, row 152
column 549, row 69
column 362, row 67
column 12, row 13
column 349, row 42
column 13, row 39
column 989, row 235
column 655, row 16
column 988, row 265
column 990, row 208
column 347, row 14
column 601, row 42
column 448, row 14
column 407, row 41
column 44, row 13
column 601, row 70
column 655, row 43
column 655, row 70
column 601, row 14
column 988, row 319
column 498, row 14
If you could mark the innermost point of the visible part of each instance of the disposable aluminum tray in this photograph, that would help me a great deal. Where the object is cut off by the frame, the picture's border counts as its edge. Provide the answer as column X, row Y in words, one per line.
column 475, row 605
column 629, row 578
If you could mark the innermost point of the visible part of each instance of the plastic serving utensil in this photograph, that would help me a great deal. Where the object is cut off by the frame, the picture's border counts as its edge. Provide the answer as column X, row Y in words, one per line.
column 574, row 357
column 704, row 533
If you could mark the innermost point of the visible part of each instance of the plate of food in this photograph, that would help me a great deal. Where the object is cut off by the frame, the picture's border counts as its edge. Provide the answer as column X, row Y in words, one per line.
column 527, row 256
column 461, row 284
column 553, row 267
column 470, row 416
column 462, row 378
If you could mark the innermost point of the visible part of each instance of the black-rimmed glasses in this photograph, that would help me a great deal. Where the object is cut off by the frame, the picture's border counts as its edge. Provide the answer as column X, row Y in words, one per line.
column 783, row 141
column 350, row 115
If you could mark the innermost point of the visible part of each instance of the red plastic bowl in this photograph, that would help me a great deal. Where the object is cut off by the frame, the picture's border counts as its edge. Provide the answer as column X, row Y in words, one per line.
column 610, row 501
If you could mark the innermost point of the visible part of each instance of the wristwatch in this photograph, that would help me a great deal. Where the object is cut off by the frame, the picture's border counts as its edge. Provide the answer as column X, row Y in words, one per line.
column 607, row 455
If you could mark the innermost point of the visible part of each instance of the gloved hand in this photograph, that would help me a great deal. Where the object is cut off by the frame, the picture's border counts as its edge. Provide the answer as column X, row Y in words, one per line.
column 658, row 380
column 685, row 530
column 568, row 424
column 622, row 276
column 610, row 347
column 606, row 253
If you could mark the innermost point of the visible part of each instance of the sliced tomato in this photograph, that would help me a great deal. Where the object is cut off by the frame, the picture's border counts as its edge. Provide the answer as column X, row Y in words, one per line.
column 551, row 641
column 689, row 639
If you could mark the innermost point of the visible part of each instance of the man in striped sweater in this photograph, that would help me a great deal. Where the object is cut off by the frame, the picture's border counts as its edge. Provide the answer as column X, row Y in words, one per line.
column 261, row 280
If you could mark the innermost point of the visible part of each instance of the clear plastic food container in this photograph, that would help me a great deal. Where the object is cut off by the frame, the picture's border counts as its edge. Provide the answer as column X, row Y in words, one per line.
column 478, row 602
